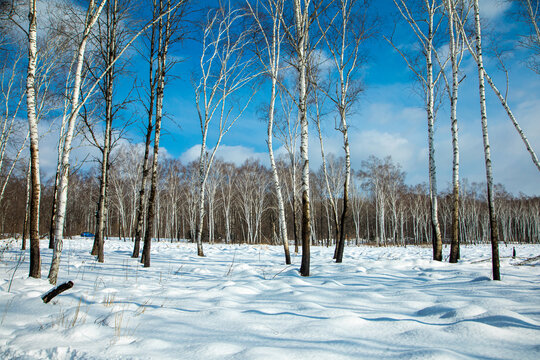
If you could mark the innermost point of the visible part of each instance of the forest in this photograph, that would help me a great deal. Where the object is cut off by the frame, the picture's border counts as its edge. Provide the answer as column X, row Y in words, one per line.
column 296, row 65
column 241, row 205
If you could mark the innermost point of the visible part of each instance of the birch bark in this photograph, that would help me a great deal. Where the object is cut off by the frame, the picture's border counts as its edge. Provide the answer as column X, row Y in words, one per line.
column 487, row 153
column 428, row 81
column 343, row 35
column 35, row 260
column 111, row 27
column 148, row 141
column 92, row 15
column 163, row 47
column 272, row 67
column 437, row 238
column 454, row 247
column 301, row 22
column 224, row 70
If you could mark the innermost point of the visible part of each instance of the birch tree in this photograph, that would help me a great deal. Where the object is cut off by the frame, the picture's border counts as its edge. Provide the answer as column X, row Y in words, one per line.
column 302, row 23
column 92, row 15
column 166, row 29
column 270, row 58
column 225, row 71
column 454, row 247
column 109, row 41
column 305, row 13
column 148, row 137
column 35, row 260
column 428, row 78
column 35, row 78
column 455, row 45
column 487, row 150
column 344, row 32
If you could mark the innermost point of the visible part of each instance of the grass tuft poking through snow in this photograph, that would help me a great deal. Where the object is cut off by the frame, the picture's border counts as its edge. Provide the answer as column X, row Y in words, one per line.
column 243, row 302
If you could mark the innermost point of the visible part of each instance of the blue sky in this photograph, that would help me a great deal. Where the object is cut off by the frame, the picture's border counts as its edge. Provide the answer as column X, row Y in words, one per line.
column 389, row 118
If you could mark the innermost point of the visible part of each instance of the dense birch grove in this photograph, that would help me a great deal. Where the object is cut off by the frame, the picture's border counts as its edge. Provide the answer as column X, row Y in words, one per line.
column 243, row 206
column 303, row 63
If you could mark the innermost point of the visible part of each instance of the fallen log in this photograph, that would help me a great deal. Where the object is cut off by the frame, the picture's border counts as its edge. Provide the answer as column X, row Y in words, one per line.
column 528, row 260
column 57, row 290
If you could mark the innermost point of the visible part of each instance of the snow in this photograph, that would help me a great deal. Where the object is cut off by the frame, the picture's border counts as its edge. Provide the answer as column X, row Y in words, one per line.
column 243, row 302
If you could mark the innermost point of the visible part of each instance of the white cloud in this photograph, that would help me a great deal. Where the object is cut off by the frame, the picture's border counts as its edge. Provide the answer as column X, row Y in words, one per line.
column 492, row 9
column 236, row 154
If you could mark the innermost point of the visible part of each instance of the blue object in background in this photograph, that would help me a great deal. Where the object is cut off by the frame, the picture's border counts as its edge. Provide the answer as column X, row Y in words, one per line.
column 87, row 234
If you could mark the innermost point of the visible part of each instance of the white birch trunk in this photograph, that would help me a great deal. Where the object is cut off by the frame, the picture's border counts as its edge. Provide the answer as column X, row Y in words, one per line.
column 301, row 16
column 273, row 48
column 454, row 248
column 487, row 152
column 104, row 181
column 202, row 182
column 277, row 184
column 275, row 176
column 437, row 239
column 35, row 260
column 91, row 19
column 163, row 47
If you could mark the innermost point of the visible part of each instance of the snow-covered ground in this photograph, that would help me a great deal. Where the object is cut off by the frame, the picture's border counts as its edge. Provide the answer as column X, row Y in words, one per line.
column 243, row 302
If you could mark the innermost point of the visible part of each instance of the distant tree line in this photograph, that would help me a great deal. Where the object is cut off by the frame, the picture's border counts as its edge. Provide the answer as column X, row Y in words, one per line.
column 241, row 206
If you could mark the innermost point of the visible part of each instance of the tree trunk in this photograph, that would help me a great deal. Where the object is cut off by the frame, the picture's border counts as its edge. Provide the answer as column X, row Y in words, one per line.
column 454, row 247
column 91, row 18
column 148, row 140
column 57, row 175
column 200, row 219
column 302, row 33
column 163, row 42
column 487, row 153
column 99, row 238
column 27, row 207
column 145, row 171
column 437, row 238
column 35, row 260
column 57, row 291
column 341, row 244
column 277, row 185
